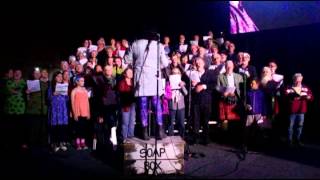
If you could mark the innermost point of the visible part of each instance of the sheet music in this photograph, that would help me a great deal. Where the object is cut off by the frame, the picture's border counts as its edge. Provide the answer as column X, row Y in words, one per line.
column 33, row 85
column 195, row 76
column 93, row 48
column 194, row 43
column 175, row 81
column 230, row 90
column 121, row 53
column 205, row 38
column 277, row 77
column 62, row 88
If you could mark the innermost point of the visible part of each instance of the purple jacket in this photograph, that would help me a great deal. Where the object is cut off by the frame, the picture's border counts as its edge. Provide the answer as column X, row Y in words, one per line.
column 256, row 99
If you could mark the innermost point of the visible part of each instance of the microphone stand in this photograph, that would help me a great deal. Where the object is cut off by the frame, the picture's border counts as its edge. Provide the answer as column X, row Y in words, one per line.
column 187, row 148
column 188, row 152
column 157, row 102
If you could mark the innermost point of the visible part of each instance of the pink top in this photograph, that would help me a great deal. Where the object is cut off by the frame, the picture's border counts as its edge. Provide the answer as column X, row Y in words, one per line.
column 165, row 101
column 80, row 103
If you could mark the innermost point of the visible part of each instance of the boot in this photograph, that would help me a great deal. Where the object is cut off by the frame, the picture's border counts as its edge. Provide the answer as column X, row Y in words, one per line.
column 161, row 133
column 145, row 134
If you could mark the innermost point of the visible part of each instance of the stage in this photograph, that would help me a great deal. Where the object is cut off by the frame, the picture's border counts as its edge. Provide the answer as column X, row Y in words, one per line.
column 211, row 161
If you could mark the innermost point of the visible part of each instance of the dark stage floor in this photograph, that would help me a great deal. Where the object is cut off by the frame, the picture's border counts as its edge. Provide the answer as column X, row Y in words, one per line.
column 212, row 161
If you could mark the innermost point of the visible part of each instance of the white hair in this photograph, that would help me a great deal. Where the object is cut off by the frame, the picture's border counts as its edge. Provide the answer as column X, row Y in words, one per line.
column 296, row 75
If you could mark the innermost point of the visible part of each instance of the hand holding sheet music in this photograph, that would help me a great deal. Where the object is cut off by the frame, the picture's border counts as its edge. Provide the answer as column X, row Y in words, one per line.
column 230, row 90
column 62, row 89
column 33, row 85
column 175, row 81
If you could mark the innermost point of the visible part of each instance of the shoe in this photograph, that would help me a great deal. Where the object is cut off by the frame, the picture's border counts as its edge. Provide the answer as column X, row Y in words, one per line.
column 83, row 146
column 56, row 148
column 145, row 134
column 224, row 125
column 63, row 146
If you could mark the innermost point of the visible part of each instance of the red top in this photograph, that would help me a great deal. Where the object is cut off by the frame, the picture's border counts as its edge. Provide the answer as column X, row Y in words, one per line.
column 126, row 95
column 298, row 101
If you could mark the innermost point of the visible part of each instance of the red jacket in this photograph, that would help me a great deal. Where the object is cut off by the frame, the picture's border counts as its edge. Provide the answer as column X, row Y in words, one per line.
column 126, row 95
column 298, row 104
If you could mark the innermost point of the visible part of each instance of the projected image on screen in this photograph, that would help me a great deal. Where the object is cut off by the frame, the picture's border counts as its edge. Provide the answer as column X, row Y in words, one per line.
column 251, row 16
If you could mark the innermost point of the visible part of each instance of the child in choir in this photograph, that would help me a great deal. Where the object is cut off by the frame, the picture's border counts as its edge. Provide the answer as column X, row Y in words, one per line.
column 81, row 112
column 177, row 105
column 256, row 108
column 58, row 112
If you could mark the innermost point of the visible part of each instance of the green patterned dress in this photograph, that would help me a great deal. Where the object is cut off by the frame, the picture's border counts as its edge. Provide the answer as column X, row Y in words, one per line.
column 15, row 102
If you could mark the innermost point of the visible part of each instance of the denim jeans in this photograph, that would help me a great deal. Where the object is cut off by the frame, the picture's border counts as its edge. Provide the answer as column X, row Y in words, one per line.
column 128, row 122
column 295, row 119
column 177, row 116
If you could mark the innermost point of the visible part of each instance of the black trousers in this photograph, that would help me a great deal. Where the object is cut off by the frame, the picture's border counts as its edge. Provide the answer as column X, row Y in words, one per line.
column 201, row 117
column 38, row 133
column 82, row 127
column 110, row 119
column 58, row 134
column 110, row 115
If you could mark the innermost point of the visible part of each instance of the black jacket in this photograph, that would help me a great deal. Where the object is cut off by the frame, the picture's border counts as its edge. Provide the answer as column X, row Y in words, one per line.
column 209, row 78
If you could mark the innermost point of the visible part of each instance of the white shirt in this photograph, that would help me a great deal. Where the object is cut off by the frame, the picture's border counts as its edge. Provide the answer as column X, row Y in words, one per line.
column 222, row 70
column 82, row 50
column 230, row 79
column 93, row 48
column 183, row 48
column 83, row 61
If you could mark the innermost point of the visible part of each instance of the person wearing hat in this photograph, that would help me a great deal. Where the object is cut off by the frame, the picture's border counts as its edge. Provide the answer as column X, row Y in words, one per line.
column 298, row 96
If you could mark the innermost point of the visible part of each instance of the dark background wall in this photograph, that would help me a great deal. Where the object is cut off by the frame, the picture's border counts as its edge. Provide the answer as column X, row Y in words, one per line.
column 46, row 34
